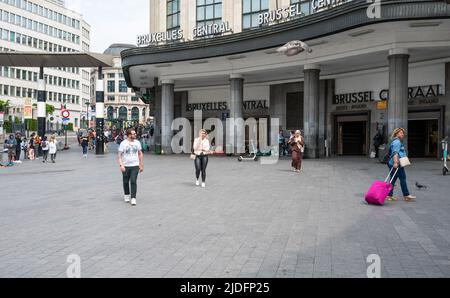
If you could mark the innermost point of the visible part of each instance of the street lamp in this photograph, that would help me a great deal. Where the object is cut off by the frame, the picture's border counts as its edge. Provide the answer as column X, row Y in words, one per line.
column 293, row 48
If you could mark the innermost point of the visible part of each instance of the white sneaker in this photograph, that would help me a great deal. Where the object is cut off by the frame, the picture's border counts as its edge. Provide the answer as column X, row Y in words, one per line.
column 127, row 198
column 197, row 183
column 203, row 185
column 133, row 202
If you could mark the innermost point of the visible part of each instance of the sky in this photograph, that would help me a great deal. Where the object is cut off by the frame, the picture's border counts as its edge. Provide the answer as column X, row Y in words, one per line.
column 113, row 21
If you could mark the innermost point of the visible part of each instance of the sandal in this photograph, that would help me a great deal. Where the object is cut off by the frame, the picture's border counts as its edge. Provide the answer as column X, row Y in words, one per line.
column 409, row 198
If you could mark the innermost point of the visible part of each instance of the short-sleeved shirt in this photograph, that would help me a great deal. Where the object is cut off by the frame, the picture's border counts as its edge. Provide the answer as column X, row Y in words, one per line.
column 397, row 147
column 130, row 153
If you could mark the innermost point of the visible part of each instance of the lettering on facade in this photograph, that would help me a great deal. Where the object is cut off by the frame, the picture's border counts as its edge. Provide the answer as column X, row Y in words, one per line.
column 223, row 106
column 319, row 5
column 154, row 38
column 280, row 14
column 212, row 29
column 417, row 92
column 356, row 97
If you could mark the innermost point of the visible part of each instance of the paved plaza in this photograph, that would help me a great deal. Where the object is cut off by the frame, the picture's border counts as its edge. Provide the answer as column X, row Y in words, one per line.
column 252, row 220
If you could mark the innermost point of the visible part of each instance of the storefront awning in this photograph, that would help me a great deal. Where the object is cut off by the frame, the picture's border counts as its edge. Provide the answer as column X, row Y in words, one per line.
column 37, row 59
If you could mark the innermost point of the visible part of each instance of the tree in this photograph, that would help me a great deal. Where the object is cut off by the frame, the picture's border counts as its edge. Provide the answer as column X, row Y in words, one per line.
column 49, row 109
column 4, row 105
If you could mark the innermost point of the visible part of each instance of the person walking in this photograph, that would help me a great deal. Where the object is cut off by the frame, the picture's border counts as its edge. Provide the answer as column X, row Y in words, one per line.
column 44, row 146
column 131, row 162
column 85, row 144
column 18, row 146
column 281, row 144
column 201, row 151
column 297, row 144
column 396, row 152
column 11, row 145
column 52, row 148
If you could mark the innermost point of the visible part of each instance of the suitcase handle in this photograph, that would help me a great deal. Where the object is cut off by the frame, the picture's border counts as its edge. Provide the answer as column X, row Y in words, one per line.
column 392, row 179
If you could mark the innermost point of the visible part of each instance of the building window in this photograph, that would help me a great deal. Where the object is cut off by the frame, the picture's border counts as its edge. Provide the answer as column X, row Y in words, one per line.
column 111, row 86
column 123, row 88
column 135, row 114
column 123, row 113
column 173, row 15
column 305, row 5
column 209, row 12
column 111, row 98
column 251, row 9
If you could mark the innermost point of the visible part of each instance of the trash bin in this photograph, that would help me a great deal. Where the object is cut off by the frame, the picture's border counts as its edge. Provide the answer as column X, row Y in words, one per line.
column 382, row 152
column 157, row 148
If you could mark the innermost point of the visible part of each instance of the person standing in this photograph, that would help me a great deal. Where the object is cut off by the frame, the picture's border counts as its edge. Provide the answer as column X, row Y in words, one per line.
column 281, row 144
column 397, row 151
column 44, row 146
column 25, row 148
column 85, row 144
column 11, row 145
column 131, row 162
column 18, row 146
column 377, row 141
column 31, row 154
column 201, row 149
column 52, row 148
column 298, row 147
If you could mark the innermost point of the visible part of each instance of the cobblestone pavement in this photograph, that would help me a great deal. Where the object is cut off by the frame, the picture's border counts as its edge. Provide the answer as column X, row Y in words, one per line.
column 252, row 220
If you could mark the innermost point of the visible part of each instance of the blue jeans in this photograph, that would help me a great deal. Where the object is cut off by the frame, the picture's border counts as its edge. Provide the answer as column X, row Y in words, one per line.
column 401, row 174
column 85, row 150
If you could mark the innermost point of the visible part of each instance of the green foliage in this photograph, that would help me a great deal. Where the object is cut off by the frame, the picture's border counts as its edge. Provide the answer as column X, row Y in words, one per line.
column 7, row 126
column 4, row 104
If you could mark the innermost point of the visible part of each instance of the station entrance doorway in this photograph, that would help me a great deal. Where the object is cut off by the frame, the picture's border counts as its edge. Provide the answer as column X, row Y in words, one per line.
column 352, row 134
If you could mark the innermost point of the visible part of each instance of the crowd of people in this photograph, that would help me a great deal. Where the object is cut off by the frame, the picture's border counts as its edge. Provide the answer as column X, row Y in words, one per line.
column 33, row 148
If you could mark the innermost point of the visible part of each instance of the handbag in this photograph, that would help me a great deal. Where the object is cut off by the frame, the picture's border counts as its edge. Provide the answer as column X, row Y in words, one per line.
column 404, row 162
column 193, row 156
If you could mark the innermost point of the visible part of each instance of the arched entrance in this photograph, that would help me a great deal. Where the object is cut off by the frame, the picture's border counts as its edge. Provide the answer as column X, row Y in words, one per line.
column 135, row 114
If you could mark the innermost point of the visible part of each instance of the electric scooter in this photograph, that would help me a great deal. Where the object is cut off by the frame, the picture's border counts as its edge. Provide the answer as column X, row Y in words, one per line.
column 251, row 155
column 445, row 170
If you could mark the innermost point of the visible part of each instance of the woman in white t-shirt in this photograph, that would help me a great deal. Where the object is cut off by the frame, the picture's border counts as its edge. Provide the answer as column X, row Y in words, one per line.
column 52, row 148
column 131, row 161
column 44, row 146
column 202, row 149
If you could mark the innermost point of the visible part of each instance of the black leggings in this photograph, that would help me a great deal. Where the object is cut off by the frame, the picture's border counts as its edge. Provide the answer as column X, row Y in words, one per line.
column 201, row 162
column 130, row 177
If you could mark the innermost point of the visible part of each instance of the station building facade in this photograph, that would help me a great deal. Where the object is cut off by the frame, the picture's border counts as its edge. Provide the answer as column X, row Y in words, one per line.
column 374, row 66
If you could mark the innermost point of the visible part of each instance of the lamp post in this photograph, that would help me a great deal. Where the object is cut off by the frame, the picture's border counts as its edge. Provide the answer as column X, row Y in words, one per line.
column 87, row 113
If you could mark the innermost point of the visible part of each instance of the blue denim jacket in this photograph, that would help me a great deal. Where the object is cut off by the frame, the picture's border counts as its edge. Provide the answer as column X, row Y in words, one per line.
column 397, row 147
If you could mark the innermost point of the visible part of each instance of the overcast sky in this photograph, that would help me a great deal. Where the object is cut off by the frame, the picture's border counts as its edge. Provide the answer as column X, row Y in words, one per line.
column 113, row 21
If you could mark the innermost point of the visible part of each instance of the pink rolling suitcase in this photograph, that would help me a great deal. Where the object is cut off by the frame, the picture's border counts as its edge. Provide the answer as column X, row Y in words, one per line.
column 379, row 190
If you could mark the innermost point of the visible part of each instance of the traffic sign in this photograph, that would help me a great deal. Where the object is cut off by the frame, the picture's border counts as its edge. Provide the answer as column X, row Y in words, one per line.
column 65, row 113
column 66, row 121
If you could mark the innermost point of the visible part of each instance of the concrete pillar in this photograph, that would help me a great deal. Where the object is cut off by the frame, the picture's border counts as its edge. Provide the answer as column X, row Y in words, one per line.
column 446, row 131
column 236, row 109
column 100, row 114
column 311, row 110
column 41, row 98
column 398, row 90
column 167, row 110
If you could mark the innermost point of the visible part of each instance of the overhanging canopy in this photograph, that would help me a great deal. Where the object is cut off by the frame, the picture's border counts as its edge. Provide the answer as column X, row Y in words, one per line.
column 36, row 59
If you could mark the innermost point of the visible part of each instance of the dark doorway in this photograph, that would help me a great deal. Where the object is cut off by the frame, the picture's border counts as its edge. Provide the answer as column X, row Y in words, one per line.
column 294, row 111
column 353, row 137
column 423, row 138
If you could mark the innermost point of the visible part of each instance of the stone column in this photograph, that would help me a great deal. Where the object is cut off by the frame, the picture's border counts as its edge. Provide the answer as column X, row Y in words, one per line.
column 100, row 113
column 236, row 110
column 41, row 102
column 398, row 90
column 167, row 110
column 311, row 110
